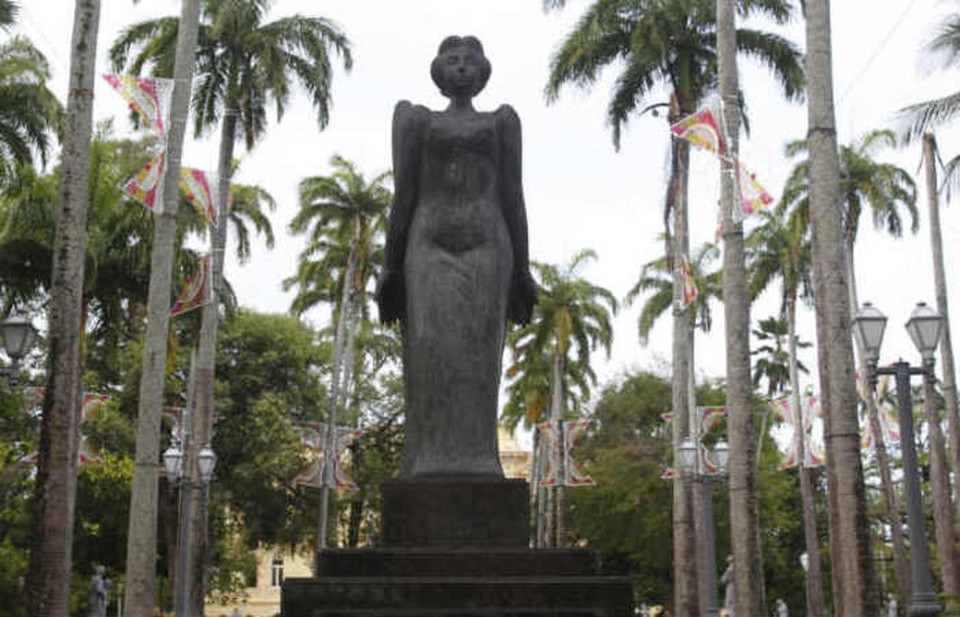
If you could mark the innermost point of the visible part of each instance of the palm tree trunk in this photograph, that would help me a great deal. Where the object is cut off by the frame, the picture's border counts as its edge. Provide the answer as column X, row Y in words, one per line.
column 48, row 577
column 744, row 521
column 536, row 491
column 891, row 500
column 853, row 576
column 203, row 409
column 814, row 574
column 946, row 345
column 556, row 416
column 140, row 576
column 685, row 600
column 330, row 440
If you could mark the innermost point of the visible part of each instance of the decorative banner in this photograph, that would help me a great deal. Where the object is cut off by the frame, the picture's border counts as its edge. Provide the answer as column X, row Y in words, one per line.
column 548, row 441
column 702, row 129
column 147, row 186
column 312, row 437
column 173, row 417
column 194, row 292
column 707, row 419
column 689, row 291
column 202, row 191
column 147, row 96
column 92, row 404
column 811, row 416
column 573, row 432
column 753, row 197
column 886, row 414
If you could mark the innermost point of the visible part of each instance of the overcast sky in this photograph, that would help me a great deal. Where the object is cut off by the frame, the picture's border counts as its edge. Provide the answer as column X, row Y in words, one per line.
column 580, row 192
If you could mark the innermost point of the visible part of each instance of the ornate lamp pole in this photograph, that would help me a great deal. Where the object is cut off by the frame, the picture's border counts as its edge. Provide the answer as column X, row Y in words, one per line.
column 689, row 459
column 924, row 327
column 177, row 466
column 18, row 337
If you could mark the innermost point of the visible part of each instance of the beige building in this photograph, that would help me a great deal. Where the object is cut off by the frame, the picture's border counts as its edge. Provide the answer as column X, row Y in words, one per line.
column 263, row 600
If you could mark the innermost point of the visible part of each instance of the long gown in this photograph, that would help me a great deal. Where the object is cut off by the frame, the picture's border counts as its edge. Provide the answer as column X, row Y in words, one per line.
column 457, row 272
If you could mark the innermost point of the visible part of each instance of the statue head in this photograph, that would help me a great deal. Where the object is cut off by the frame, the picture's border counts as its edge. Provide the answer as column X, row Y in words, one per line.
column 460, row 69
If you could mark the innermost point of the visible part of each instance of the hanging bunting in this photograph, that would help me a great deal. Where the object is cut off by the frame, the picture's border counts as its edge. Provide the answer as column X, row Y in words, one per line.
column 689, row 290
column 172, row 417
column 147, row 186
column 549, row 442
column 811, row 414
column 201, row 189
column 147, row 96
column 195, row 291
column 702, row 129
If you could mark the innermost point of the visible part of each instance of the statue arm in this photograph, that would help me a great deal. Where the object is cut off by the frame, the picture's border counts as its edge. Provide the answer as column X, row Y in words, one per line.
column 523, row 289
column 407, row 121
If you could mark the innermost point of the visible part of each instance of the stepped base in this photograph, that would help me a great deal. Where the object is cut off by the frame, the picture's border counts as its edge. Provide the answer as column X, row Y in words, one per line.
column 458, row 583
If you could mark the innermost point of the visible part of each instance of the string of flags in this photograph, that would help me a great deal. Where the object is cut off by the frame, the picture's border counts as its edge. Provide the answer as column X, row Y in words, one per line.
column 571, row 432
column 313, row 440
column 704, row 130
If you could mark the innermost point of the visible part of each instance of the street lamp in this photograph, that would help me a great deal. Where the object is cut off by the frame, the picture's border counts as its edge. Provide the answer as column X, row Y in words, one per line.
column 924, row 327
column 177, row 468
column 689, row 462
column 18, row 337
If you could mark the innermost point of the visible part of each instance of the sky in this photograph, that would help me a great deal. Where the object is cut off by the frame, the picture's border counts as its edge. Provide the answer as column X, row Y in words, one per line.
column 580, row 191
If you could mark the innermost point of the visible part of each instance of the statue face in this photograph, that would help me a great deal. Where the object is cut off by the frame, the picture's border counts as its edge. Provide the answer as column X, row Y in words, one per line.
column 461, row 69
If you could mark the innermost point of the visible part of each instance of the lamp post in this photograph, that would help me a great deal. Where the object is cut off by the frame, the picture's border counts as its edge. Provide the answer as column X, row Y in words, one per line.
column 177, row 466
column 924, row 327
column 690, row 465
column 18, row 337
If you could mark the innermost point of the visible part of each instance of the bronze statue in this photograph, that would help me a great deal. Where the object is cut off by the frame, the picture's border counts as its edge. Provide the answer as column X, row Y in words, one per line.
column 456, row 266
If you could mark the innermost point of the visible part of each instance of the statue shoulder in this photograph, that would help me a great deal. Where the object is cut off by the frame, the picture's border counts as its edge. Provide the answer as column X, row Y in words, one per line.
column 508, row 117
column 406, row 114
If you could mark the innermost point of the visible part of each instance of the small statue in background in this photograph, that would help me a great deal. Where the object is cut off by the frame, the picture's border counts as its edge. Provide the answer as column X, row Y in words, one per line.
column 99, row 593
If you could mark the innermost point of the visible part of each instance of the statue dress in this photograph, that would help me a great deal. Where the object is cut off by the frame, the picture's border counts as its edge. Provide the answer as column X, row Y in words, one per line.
column 456, row 267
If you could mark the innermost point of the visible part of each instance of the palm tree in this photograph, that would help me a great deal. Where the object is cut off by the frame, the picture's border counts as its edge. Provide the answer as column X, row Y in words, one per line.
column 572, row 317
column 853, row 575
column 348, row 219
column 48, row 576
column 672, row 44
column 242, row 64
column 29, row 111
column 773, row 356
column 886, row 190
column 780, row 248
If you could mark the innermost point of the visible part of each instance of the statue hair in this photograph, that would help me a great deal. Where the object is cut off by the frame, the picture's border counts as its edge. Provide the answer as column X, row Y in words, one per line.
column 451, row 42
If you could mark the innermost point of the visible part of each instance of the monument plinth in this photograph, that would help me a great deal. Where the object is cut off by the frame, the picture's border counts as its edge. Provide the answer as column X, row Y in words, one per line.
column 455, row 532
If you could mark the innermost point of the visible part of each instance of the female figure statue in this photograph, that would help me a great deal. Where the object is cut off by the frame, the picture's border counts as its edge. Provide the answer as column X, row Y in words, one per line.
column 456, row 266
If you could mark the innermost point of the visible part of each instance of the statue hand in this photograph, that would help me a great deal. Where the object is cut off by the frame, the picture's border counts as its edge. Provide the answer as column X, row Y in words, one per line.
column 523, row 295
column 390, row 296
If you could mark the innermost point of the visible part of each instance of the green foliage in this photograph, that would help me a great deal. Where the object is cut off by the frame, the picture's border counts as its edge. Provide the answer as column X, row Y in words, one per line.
column 627, row 515
column 267, row 378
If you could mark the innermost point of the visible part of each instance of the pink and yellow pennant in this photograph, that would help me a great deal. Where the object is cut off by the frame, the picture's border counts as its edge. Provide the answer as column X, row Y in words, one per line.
column 194, row 292
column 147, row 186
column 753, row 197
column 149, row 97
column 201, row 190
column 702, row 129
column 689, row 290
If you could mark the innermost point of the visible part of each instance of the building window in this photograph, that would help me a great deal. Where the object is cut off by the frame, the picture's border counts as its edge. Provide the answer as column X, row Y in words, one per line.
column 276, row 572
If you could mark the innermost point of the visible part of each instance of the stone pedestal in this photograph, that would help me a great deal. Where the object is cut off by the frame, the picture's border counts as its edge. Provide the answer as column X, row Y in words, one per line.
column 457, row 549
column 455, row 514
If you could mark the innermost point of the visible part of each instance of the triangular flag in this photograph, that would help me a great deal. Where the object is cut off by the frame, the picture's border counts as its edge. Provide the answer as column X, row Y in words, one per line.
column 702, row 129
column 194, row 292
column 148, row 96
column 201, row 190
column 147, row 186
